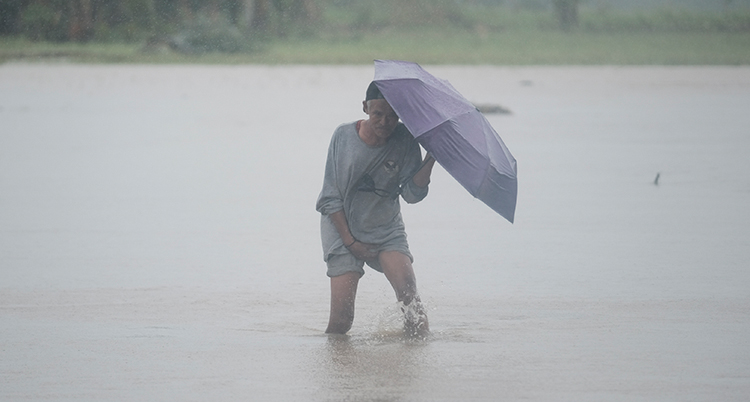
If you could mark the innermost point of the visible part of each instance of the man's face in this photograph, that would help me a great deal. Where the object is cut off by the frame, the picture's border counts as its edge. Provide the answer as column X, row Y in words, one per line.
column 382, row 117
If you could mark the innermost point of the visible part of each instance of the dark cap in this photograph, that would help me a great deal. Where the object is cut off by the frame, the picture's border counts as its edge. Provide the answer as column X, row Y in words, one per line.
column 373, row 92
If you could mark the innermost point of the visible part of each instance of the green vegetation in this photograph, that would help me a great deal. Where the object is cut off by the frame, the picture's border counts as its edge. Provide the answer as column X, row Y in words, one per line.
column 518, row 48
column 426, row 31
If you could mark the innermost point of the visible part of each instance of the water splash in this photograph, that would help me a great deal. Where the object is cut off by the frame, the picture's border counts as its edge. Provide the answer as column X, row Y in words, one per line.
column 399, row 322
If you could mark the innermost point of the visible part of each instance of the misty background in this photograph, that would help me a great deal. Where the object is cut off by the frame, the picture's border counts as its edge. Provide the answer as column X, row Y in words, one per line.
column 190, row 26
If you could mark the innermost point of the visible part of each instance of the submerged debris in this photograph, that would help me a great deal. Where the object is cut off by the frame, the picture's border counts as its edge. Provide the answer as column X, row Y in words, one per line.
column 488, row 108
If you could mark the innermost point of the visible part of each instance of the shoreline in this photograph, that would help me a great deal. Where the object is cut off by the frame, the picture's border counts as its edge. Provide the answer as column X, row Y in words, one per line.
column 513, row 48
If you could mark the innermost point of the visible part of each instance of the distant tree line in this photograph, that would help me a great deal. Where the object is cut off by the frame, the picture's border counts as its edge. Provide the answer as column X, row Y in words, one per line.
column 566, row 12
column 232, row 25
column 84, row 20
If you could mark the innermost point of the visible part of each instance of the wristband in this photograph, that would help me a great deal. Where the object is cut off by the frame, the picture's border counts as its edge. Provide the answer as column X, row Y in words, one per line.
column 351, row 244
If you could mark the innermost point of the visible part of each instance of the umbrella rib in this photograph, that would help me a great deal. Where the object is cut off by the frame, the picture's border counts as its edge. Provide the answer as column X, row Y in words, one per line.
column 459, row 99
column 453, row 92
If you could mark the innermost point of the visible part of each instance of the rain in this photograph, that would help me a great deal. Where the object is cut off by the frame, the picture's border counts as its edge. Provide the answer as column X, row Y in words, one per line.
column 160, row 165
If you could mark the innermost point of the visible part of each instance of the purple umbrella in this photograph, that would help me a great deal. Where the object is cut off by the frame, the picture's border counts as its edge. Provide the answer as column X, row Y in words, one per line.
column 451, row 129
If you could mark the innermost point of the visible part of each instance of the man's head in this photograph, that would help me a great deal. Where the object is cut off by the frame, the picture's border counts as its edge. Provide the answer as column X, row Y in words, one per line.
column 373, row 92
column 382, row 117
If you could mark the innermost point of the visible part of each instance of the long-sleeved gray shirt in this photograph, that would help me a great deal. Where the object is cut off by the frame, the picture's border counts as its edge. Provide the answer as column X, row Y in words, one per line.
column 373, row 217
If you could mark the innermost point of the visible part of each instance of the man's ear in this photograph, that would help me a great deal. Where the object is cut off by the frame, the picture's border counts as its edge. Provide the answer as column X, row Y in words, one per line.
column 364, row 107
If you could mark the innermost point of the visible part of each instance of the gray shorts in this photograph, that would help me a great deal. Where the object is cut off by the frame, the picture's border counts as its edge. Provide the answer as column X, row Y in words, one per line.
column 341, row 263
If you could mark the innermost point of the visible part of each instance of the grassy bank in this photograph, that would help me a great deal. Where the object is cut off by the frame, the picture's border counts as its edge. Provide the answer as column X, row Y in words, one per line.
column 430, row 46
column 516, row 48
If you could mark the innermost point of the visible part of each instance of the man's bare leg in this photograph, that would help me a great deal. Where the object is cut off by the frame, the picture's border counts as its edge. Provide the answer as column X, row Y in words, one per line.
column 343, row 293
column 400, row 273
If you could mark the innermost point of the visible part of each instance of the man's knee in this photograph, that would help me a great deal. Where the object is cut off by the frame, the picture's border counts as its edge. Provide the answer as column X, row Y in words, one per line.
column 395, row 260
column 343, row 292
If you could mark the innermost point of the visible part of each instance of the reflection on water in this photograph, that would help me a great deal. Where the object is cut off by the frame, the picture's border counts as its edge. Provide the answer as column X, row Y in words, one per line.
column 380, row 367
column 381, row 363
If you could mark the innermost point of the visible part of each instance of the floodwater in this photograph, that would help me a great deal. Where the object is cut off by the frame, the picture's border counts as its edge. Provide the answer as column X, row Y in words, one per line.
column 158, row 240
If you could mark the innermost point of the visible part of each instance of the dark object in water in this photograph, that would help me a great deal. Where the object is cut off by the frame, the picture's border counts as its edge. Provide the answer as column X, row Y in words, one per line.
column 656, row 180
column 486, row 108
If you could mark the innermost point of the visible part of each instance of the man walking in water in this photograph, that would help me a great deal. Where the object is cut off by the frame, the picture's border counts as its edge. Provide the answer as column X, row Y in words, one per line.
column 370, row 164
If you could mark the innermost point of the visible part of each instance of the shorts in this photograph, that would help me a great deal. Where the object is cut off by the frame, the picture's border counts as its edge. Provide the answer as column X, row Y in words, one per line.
column 341, row 263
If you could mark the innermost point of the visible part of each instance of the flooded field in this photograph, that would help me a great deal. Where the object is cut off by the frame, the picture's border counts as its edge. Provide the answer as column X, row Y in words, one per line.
column 158, row 240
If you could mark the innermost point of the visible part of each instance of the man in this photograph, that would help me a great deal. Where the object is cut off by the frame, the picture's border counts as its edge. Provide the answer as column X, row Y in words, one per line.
column 370, row 164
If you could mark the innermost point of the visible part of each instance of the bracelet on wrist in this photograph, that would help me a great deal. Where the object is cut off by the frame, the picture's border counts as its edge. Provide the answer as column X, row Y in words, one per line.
column 351, row 244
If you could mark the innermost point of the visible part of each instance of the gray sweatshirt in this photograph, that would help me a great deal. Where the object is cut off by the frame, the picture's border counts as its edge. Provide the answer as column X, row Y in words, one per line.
column 373, row 216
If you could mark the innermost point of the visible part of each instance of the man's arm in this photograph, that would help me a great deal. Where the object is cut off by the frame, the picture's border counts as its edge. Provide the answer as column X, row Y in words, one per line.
column 422, row 177
column 415, row 189
column 363, row 251
column 339, row 221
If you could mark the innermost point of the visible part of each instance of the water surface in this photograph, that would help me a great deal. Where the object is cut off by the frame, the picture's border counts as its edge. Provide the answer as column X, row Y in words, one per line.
column 158, row 239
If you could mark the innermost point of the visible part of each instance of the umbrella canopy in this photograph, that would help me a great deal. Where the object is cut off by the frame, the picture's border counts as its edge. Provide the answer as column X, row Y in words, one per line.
column 450, row 128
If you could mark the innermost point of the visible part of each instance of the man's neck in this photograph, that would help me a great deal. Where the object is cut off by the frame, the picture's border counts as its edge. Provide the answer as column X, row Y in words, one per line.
column 368, row 135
